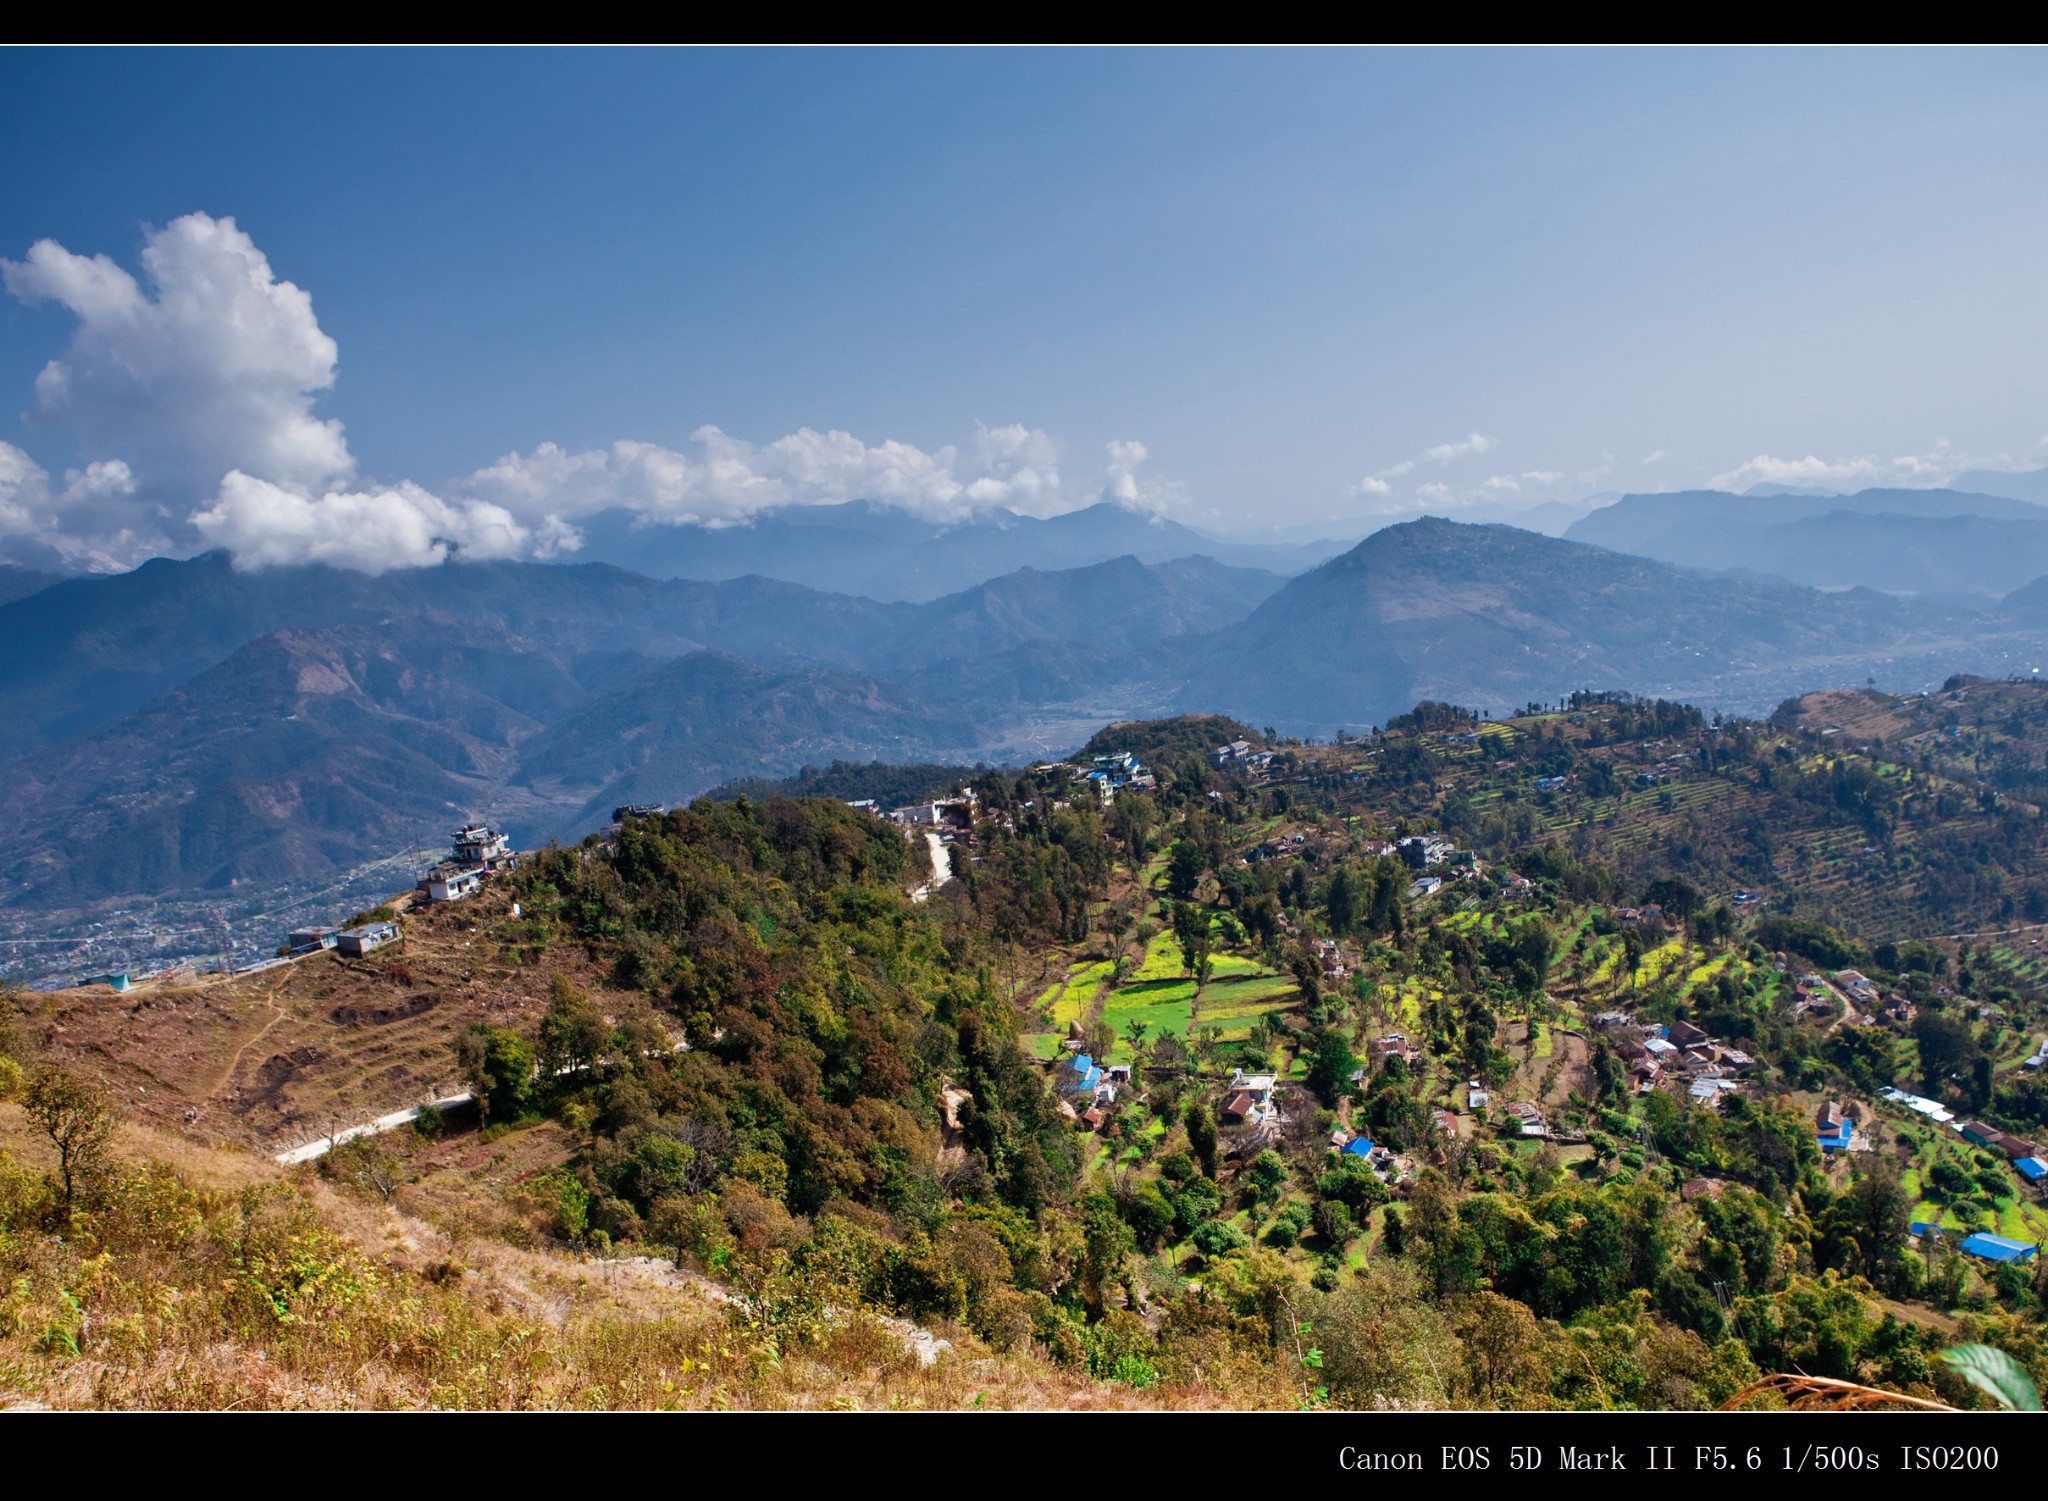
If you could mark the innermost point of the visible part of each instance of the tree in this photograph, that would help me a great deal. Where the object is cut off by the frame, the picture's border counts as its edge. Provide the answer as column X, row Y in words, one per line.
column 498, row 1063
column 1185, row 863
column 1268, row 1172
column 78, row 1119
column 1191, row 932
column 1202, row 1137
column 1106, row 1246
column 573, row 1034
column 1330, row 1069
column 1342, row 901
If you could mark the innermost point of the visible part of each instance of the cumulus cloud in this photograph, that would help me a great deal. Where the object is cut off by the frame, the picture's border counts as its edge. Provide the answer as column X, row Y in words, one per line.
column 371, row 530
column 1146, row 495
column 190, row 391
column 1655, row 457
column 82, row 523
column 214, row 365
column 1459, row 448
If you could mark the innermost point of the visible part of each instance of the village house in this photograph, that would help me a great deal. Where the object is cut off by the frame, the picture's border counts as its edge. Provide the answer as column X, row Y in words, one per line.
column 1833, row 1127
column 453, row 885
column 2013, row 1148
column 1476, row 1097
column 1420, row 851
column 479, row 845
column 1393, row 1045
column 306, row 940
column 371, row 936
column 1529, row 1118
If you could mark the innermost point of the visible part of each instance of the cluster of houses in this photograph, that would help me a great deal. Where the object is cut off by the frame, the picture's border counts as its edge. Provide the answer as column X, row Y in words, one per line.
column 1087, row 1087
column 479, row 853
column 2024, row 1155
column 1982, row 1245
column 1279, row 847
column 1241, row 755
column 955, row 813
column 1682, row 1060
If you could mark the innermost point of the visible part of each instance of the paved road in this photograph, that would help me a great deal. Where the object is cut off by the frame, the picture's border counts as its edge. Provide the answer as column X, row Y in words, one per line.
column 314, row 1150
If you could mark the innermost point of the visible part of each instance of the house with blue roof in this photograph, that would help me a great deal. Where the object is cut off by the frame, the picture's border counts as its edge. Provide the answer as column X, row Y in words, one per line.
column 1988, row 1247
column 2033, row 1169
column 1358, row 1146
column 1833, row 1124
column 1082, row 1073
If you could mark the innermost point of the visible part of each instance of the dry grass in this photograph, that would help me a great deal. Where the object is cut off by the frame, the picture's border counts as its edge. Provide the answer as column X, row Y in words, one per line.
column 273, row 1059
column 226, row 1282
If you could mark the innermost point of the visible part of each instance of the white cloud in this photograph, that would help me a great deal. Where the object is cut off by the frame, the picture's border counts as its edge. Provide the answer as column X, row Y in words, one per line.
column 214, row 366
column 85, row 523
column 1501, row 483
column 1653, row 458
column 1372, row 484
column 372, row 530
column 1149, row 496
column 194, row 386
column 1912, row 471
column 1443, row 453
column 729, row 480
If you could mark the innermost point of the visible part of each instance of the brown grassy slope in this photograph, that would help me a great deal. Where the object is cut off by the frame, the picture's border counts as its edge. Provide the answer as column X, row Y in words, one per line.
column 230, row 1283
column 272, row 1059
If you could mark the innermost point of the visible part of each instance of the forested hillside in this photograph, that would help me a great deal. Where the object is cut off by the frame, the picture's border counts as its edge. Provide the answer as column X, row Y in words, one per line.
column 1211, row 1095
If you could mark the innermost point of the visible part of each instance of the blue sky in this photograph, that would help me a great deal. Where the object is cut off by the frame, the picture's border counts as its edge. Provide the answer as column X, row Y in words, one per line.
column 1288, row 276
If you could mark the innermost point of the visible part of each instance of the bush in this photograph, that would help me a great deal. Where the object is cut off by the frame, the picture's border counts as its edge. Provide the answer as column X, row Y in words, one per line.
column 1213, row 1238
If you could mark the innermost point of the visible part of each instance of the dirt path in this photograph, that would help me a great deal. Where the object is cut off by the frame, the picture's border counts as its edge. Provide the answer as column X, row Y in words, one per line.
column 278, row 1014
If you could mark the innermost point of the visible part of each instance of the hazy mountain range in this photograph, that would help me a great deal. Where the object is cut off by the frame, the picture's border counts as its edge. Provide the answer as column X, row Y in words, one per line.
column 1901, row 541
column 191, row 727
column 882, row 553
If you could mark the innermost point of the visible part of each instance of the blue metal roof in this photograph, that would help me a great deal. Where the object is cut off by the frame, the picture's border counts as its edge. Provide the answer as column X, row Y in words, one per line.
column 1358, row 1146
column 1997, row 1247
column 2033, row 1169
